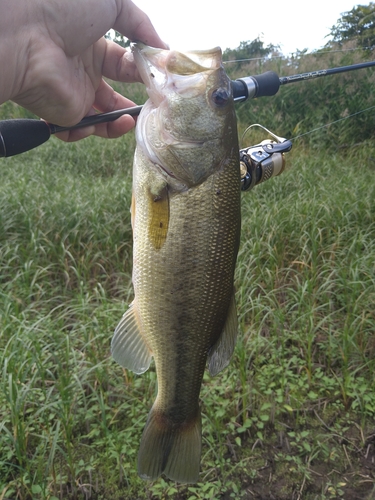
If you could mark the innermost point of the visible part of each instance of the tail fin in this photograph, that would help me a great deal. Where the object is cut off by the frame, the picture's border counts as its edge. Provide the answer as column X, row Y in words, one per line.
column 172, row 449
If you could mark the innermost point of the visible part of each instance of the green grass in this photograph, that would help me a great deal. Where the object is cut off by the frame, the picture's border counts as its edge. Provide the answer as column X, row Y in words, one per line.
column 292, row 416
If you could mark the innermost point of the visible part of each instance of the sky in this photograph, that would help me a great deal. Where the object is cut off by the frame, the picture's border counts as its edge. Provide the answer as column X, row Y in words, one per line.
column 204, row 24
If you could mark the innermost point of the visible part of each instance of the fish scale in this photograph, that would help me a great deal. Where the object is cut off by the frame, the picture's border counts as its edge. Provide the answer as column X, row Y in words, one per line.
column 195, row 291
column 186, row 230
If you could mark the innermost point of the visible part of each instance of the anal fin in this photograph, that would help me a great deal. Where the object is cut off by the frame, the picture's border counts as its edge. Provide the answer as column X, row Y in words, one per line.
column 221, row 352
column 128, row 347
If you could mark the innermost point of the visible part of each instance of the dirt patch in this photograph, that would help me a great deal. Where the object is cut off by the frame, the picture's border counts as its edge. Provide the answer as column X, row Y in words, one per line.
column 334, row 465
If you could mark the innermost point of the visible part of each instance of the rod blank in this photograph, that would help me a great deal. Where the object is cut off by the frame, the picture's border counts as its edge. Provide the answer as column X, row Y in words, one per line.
column 324, row 72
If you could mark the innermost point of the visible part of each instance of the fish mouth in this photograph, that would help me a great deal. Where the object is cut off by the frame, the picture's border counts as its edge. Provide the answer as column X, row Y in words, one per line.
column 164, row 71
column 148, row 60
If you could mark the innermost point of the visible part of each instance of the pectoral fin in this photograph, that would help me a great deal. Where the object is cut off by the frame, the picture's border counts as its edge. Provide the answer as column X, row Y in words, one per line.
column 221, row 352
column 128, row 347
column 159, row 215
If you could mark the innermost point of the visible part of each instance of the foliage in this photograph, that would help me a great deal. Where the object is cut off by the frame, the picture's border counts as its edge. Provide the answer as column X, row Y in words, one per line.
column 291, row 416
column 357, row 24
column 248, row 50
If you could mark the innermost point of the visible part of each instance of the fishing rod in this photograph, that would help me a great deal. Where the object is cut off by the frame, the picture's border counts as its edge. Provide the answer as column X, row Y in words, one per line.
column 21, row 135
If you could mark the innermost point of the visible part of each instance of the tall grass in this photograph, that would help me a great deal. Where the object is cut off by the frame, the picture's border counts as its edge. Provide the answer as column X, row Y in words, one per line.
column 292, row 417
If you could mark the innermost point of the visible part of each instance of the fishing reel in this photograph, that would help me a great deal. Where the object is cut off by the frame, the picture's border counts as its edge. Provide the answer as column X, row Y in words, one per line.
column 263, row 161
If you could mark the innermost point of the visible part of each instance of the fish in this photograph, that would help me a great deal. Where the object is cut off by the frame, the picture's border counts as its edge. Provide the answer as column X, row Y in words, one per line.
column 186, row 220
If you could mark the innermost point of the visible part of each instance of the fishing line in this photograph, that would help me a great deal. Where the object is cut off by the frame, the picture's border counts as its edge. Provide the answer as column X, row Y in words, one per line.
column 310, row 131
column 331, row 123
column 297, row 56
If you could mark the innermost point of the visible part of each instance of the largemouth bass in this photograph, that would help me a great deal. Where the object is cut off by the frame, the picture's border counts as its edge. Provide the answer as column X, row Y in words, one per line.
column 186, row 230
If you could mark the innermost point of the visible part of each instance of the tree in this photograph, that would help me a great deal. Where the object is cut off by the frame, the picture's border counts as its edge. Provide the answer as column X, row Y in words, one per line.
column 357, row 24
column 248, row 50
column 115, row 36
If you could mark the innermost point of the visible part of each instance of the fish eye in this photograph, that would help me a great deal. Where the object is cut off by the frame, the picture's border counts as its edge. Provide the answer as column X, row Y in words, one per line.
column 220, row 96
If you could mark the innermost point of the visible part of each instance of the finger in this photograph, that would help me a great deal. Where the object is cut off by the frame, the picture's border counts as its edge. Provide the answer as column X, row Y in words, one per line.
column 76, row 135
column 109, row 130
column 107, row 99
column 136, row 25
column 118, row 64
column 117, row 128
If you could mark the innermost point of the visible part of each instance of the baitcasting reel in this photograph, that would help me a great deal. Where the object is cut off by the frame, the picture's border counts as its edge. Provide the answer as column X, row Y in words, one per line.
column 263, row 161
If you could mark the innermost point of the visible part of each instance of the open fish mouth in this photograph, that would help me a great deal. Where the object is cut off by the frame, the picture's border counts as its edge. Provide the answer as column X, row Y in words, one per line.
column 162, row 70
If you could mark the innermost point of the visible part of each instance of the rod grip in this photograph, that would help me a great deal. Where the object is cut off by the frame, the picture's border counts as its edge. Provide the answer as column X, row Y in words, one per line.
column 249, row 87
column 268, row 84
column 20, row 135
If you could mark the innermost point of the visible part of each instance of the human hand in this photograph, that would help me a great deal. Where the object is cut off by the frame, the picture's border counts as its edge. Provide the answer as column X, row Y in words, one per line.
column 61, row 58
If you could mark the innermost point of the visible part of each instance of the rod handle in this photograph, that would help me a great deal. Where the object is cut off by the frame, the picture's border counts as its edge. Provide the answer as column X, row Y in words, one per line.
column 266, row 84
column 20, row 135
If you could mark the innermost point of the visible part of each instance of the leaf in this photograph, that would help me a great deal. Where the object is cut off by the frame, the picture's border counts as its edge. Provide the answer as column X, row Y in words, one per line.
column 306, row 446
column 265, row 406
